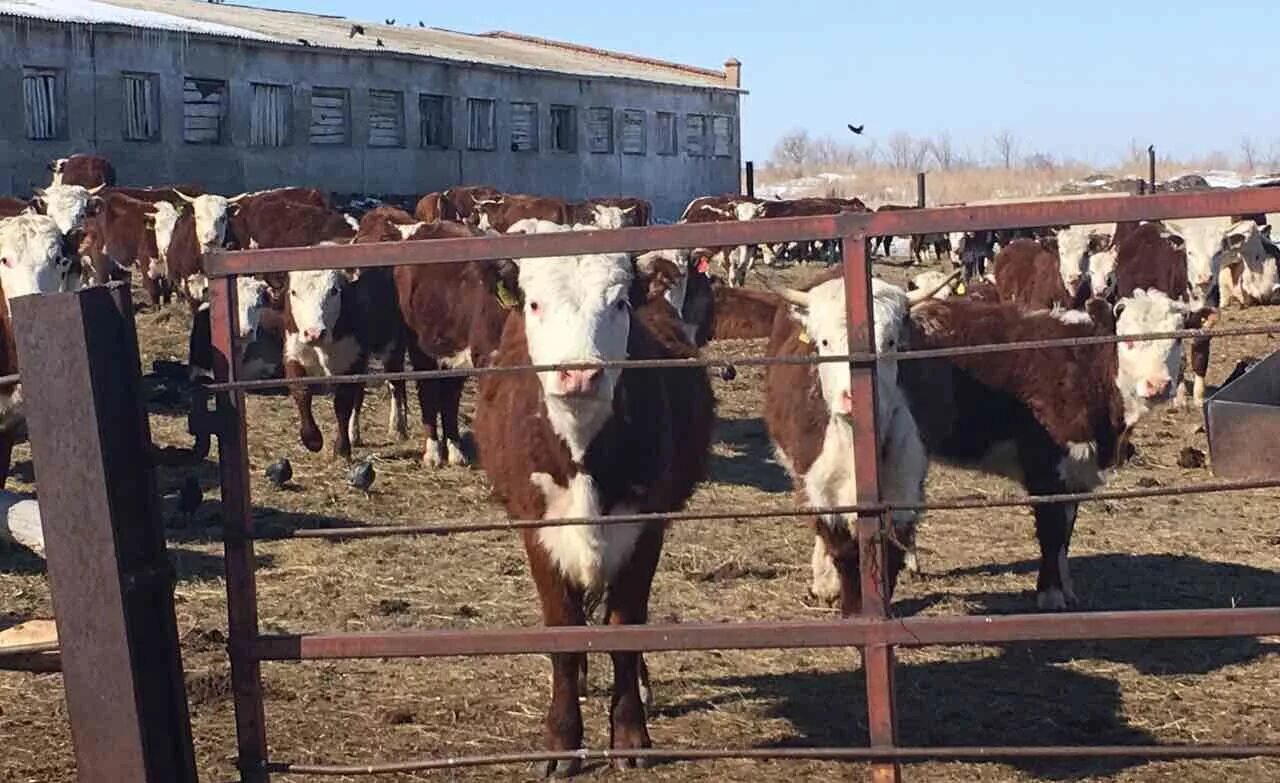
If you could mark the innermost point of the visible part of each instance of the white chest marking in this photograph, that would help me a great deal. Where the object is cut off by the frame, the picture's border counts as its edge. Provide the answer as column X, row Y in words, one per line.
column 589, row 556
column 323, row 358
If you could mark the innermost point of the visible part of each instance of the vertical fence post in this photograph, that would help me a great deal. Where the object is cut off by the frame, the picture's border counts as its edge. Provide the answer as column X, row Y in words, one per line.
column 109, row 572
column 751, row 179
column 877, row 659
column 920, row 190
column 242, row 590
column 1151, row 166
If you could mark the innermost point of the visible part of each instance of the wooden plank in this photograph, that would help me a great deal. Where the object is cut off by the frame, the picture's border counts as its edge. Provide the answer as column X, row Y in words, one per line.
column 201, row 110
column 32, row 632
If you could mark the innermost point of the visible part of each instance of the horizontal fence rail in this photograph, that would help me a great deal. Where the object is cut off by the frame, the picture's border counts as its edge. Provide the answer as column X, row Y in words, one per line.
column 875, row 631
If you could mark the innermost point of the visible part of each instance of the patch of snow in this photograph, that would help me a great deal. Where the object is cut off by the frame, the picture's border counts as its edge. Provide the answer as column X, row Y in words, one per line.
column 93, row 12
column 1222, row 179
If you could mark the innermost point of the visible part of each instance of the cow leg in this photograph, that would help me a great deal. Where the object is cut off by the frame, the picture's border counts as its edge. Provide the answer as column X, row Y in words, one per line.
column 429, row 393
column 1199, row 367
column 842, row 549
column 1054, row 524
column 561, row 605
column 629, row 605
column 450, row 401
column 6, row 456
column 397, row 417
column 353, row 425
column 346, row 397
column 826, row 580
column 308, row 431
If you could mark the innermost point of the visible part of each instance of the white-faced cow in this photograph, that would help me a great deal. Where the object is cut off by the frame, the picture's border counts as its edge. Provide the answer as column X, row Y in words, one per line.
column 1077, row 246
column 32, row 261
column 260, row 326
column 719, row 209
column 68, row 205
column 589, row 442
column 611, row 212
column 810, row 416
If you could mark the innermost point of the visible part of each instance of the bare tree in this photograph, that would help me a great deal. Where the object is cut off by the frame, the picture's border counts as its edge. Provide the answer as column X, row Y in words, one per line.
column 793, row 149
column 943, row 153
column 907, row 153
column 1249, row 155
column 826, row 151
column 1006, row 148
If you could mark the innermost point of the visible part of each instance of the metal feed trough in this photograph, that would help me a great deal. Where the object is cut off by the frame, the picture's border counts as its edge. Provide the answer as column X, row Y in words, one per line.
column 1243, row 420
column 105, row 642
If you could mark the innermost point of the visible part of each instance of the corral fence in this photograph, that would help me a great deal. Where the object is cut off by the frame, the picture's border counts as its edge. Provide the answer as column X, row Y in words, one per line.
column 875, row 632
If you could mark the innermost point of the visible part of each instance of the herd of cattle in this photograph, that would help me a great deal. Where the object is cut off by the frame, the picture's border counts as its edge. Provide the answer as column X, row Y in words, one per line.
column 615, row 441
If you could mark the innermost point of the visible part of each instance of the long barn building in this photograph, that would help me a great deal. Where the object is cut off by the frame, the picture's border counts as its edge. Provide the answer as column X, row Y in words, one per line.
column 236, row 98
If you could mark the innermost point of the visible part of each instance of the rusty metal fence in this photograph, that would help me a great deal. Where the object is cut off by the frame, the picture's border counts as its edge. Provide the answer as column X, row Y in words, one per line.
column 875, row 631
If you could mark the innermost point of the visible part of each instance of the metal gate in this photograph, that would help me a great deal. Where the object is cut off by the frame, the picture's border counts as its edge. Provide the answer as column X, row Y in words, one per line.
column 874, row 632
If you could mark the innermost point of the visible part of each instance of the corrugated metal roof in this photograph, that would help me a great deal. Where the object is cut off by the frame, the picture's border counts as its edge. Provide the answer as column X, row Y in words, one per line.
column 499, row 49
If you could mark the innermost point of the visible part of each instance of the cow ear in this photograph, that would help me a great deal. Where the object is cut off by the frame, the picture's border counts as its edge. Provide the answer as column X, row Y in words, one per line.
column 93, row 207
column 276, row 281
column 1204, row 318
column 352, row 274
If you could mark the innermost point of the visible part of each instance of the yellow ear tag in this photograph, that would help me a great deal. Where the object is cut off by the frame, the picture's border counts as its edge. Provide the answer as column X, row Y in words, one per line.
column 960, row 289
column 804, row 338
column 504, row 296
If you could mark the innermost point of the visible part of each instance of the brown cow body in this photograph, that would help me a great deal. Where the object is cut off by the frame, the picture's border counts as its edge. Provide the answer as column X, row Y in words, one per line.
column 12, row 207
column 456, row 204
column 290, row 217
column 743, row 314
column 87, row 171
column 507, row 209
column 1027, row 275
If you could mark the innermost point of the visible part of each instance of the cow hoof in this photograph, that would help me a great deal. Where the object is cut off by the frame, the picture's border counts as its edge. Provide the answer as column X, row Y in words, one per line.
column 560, row 768
column 910, row 562
column 456, row 456
column 1055, row 600
column 631, row 762
column 313, row 441
column 431, row 455
column 646, row 696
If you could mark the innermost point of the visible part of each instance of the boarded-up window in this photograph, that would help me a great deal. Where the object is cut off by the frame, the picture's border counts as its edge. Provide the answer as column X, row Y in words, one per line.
column 600, row 129
column 480, row 119
column 524, row 127
column 437, row 121
column 695, row 135
column 269, row 115
column 668, row 137
column 722, row 137
column 42, row 102
column 386, row 118
column 564, row 129
column 141, row 107
column 633, row 131
column 204, row 110
column 330, row 115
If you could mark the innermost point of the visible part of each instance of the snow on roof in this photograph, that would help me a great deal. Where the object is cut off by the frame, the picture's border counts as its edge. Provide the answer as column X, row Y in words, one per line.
column 331, row 32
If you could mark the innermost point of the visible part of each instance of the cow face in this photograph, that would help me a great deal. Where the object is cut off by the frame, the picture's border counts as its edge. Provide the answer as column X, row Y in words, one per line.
column 576, row 311
column 1102, row 273
column 1204, row 240
column 68, row 205
column 1076, row 247
column 821, row 312
column 612, row 217
column 1148, row 369
column 669, row 267
column 211, row 214
column 484, row 208
column 747, row 210
column 252, row 298
column 164, row 219
column 314, row 302
column 1242, row 243
column 32, row 257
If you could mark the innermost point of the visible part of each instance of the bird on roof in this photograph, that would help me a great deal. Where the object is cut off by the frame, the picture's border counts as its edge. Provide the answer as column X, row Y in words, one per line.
column 356, row 29
column 362, row 475
column 379, row 42
column 857, row 129
column 304, row 42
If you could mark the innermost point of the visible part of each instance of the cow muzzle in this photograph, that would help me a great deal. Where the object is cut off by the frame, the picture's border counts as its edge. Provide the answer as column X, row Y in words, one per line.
column 844, row 404
column 1156, row 388
column 579, row 383
column 314, row 334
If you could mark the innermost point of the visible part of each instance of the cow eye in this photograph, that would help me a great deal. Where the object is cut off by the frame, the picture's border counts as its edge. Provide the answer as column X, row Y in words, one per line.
column 826, row 343
column 333, row 291
column 533, row 307
column 621, row 305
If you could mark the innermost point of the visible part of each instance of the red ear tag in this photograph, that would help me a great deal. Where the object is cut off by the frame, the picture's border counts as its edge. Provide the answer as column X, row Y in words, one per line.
column 703, row 265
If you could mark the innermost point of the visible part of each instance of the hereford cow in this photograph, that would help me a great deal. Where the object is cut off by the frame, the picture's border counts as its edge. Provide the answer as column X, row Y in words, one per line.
column 742, row 314
column 259, row 325
column 587, row 442
column 123, row 233
column 334, row 322
column 611, row 212
column 719, row 209
column 501, row 213
column 211, row 213
column 1054, row 419
column 278, row 221
column 68, row 205
column 1077, row 246
column 32, row 261
column 455, row 204
column 809, row 413
column 1028, row 274
column 87, row 171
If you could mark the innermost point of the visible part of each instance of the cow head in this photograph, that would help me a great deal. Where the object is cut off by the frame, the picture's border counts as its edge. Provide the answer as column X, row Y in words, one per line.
column 33, row 258
column 56, row 167
column 163, row 219
column 1210, row 244
column 821, row 313
column 68, row 205
column 1242, row 243
column 669, row 272
column 211, row 214
column 253, row 296
column 1102, row 272
column 1148, row 369
column 481, row 215
column 747, row 210
column 577, row 310
column 314, row 302
column 612, row 217
column 1076, row 247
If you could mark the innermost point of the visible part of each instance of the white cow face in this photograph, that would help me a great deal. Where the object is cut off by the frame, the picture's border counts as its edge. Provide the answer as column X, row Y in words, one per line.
column 747, row 210
column 1148, row 369
column 68, row 205
column 1242, row 243
column 31, row 257
column 315, row 301
column 211, row 214
column 483, row 207
column 1076, row 246
column 252, row 297
column 577, row 311
column 821, row 311
column 1202, row 239
column 1102, row 271
column 165, row 218
column 611, row 217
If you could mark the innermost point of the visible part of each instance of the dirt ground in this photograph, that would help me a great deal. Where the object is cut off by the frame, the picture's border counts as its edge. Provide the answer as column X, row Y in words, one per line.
column 1191, row 552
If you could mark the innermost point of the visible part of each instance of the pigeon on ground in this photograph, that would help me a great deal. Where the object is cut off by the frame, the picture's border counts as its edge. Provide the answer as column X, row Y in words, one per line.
column 279, row 472
column 361, row 476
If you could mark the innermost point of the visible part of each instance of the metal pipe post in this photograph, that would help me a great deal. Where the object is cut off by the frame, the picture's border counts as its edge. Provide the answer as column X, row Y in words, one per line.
column 109, row 572
column 751, row 179
column 920, row 190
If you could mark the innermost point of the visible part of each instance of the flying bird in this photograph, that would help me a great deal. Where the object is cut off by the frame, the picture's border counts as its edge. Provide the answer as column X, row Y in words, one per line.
column 356, row 29
column 361, row 476
column 379, row 42
column 279, row 472
column 421, row 23
column 391, row 22
column 857, row 129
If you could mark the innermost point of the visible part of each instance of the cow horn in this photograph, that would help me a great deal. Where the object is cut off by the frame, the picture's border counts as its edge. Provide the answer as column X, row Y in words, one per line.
column 921, row 295
column 235, row 199
column 38, row 192
column 94, row 191
column 794, row 297
column 184, row 196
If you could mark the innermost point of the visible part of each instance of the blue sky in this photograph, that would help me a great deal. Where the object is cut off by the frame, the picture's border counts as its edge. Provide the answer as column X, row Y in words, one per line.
column 1078, row 79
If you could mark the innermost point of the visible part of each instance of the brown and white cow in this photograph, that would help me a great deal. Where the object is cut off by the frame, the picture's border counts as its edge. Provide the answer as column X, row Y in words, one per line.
column 810, row 416
column 68, row 205
column 720, row 209
column 88, row 171
column 1028, row 275
column 272, row 221
column 456, row 204
column 259, row 325
column 12, row 207
column 335, row 321
column 124, row 233
column 615, row 212
column 501, row 213
column 588, row 442
column 1055, row 419
column 32, row 261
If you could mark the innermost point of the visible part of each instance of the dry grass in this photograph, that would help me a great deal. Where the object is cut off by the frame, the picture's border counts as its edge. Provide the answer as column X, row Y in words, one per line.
column 1209, row 551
